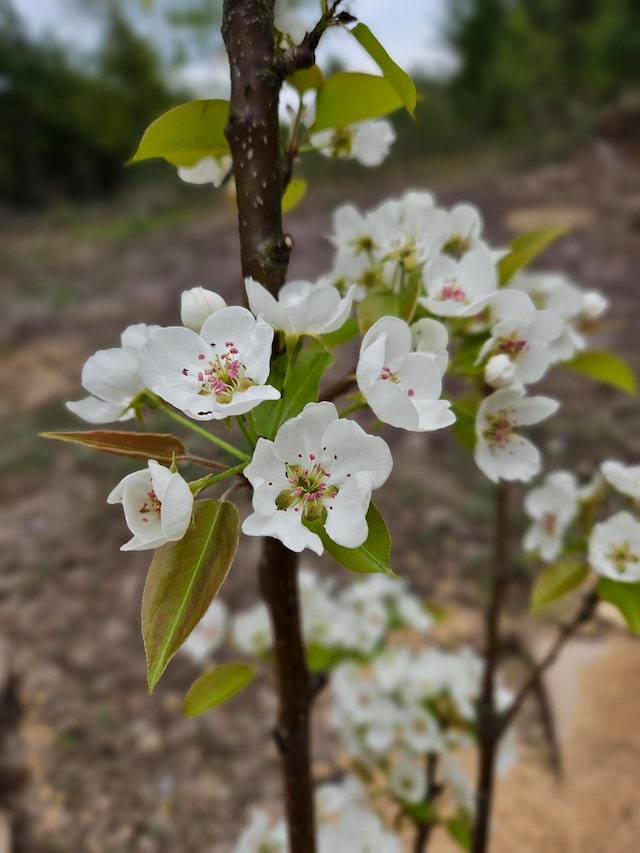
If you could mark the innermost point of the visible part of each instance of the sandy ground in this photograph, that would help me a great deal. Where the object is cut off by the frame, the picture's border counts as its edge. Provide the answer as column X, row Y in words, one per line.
column 88, row 762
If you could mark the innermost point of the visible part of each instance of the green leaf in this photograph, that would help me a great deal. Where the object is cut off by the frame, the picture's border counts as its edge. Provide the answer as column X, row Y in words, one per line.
column 372, row 556
column 557, row 579
column 216, row 686
column 308, row 368
column 305, row 79
column 183, row 579
column 321, row 659
column 142, row 445
column 459, row 828
column 398, row 79
column 186, row 134
column 606, row 367
column 384, row 304
column 349, row 97
column 626, row 597
column 467, row 354
column 293, row 194
column 345, row 333
column 420, row 812
column 524, row 248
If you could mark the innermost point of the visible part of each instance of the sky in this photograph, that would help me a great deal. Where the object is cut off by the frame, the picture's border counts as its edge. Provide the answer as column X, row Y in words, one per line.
column 409, row 30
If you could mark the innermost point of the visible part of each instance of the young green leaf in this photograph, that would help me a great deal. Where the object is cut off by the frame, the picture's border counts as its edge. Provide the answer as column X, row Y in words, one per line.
column 605, row 367
column 305, row 79
column 143, row 445
column 304, row 377
column 349, row 97
column 183, row 579
column 372, row 556
column 216, row 686
column 626, row 597
column 384, row 304
column 399, row 80
column 186, row 134
column 464, row 427
column 345, row 333
column 557, row 579
column 524, row 248
column 459, row 828
column 293, row 194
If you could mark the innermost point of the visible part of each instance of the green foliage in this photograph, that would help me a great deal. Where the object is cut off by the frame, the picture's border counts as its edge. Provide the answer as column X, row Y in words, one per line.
column 293, row 195
column 459, row 828
column 186, row 134
column 399, row 80
column 306, row 79
column 464, row 427
column 66, row 128
column 556, row 580
column 384, row 303
column 216, row 686
column 302, row 382
column 349, row 97
column 605, row 367
column 183, row 579
column 141, row 445
column 372, row 556
column 626, row 597
column 524, row 249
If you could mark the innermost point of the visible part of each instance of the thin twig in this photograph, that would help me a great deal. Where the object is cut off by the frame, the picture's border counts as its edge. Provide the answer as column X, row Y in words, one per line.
column 566, row 631
column 424, row 829
column 200, row 460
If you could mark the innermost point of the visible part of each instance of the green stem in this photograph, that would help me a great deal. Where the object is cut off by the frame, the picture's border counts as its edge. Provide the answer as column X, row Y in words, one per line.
column 233, row 451
column 249, row 434
column 204, row 482
column 358, row 404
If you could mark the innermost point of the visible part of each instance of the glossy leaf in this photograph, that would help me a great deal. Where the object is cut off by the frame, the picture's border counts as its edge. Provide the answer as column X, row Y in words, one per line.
column 216, row 686
column 294, row 194
column 557, row 579
column 626, row 597
column 524, row 248
column 372, row 556
column 142, row 445
column 308, row 368
column 186, row 134
column 183, row 579
column 305, row 79
column 605, row 367
column 349, row 97
column 398, row 79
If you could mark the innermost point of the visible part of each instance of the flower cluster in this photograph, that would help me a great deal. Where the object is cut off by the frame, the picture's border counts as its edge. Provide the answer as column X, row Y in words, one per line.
column 612, row 546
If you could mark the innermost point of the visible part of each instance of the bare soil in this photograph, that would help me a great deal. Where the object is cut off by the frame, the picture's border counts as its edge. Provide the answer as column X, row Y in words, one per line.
column 88, row 761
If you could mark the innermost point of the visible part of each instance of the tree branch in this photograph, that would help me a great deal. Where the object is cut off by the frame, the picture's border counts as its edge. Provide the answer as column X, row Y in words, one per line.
column 487, row 717
column 303, row 55
column 253, row 135
column 566, row 631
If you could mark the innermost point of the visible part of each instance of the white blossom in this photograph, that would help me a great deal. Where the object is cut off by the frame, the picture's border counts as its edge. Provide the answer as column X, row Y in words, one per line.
column 401, row 387
column 408, row 780
column 302, row 308
column 317, row 468
column 623, row 478
column 552, row 506
column 614, row 548
column 112, row 377
column 209, row 170
column 157, row 506
column 219, row 372
column 459, row 288
column 500, row 371
column 502, row 454
column 197, row 304
column 367, row 142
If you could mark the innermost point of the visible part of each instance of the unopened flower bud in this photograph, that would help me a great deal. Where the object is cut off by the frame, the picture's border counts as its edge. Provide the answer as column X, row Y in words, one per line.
column 500, row 371
column 594, row 305
column 197, row 304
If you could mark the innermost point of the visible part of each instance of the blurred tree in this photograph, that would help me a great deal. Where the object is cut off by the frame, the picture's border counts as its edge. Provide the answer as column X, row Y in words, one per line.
column 532, row 63
column 66, row 129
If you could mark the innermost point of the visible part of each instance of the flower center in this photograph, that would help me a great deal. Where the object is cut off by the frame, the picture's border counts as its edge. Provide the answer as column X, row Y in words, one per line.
column 224, row 376
column 499, row 429
column 549, row 522
column 511, row 346
column 621, row 556
column 456, row 246
column 149, row 506
column 452, row 290
column 392, row 376
column 309, row 491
